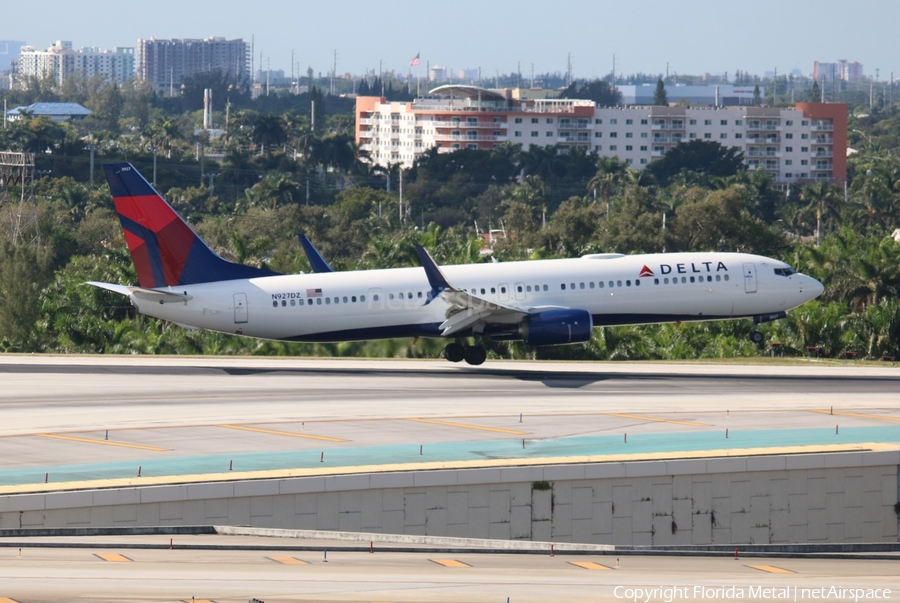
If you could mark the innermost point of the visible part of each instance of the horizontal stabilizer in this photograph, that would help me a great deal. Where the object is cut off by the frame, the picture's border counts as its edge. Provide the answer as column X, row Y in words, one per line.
column 162, row 297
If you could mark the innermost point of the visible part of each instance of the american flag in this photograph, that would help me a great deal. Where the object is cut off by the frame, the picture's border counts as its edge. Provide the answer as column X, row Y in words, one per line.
column 415, row 60
column 313, row 293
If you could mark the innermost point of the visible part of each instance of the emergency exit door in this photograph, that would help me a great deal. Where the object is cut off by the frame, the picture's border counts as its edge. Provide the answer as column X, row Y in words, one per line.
column 750, row 278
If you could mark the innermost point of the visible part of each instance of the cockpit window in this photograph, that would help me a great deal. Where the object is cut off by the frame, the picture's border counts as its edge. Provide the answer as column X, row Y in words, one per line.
column 785, row 271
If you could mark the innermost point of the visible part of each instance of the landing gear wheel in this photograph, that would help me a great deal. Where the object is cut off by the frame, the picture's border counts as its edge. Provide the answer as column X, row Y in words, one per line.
column 756, row 337
column 475, row 355
column 454, row 352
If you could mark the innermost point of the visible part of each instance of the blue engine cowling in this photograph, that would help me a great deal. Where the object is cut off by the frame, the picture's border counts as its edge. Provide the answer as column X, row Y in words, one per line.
column 557, row 327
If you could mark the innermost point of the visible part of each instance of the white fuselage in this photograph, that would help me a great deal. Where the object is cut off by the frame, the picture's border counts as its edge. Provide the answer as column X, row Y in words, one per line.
column 342, row 306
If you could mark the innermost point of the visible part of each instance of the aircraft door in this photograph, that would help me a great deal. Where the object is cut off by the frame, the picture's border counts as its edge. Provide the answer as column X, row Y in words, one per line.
column 240, row 308
column 750, row 278
column 520, row 291
column 504, row 292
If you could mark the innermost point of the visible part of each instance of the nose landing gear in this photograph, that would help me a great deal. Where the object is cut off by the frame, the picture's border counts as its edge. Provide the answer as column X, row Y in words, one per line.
column 756, row 337
column 473, row 354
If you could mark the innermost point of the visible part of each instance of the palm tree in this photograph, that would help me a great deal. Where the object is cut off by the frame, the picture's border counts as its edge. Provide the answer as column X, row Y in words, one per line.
column 269, row 130
column 823, row 199
column 609, row 177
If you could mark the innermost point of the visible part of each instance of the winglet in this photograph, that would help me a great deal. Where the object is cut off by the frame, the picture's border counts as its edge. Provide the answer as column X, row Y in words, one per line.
column 436, row 278
column 316, row 261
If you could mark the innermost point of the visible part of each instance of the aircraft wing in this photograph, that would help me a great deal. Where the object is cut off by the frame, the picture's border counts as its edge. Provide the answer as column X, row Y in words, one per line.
column 465, row 309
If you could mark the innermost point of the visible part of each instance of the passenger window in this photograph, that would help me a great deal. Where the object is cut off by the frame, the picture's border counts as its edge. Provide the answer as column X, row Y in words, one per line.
column 726, row 277
column 353, row 299
column 327, row 300
column 618, row 283
column 666, row 281
column 293, row 302
column 573, row 285
column 683, row 279
column 600, row 284
column 420, row 295
column 718, row 277
column 611, row 284
column 409, row 295
column 656, row 281
column 390, row 296
column 563, row 286
column 692, row 279
column 375, row 297
column 362, row 298
column 637, row 283
column 318, row 301
column 592, row 284
column 274, row 304
column 628, row 283
column 545, row 287
column 482, row 290
column 519, row 288
column 502, row 289
column 581, row 285
column 309, row 302
column 528, row 288
column 493, row 290
column 283, row 303
column 708, row 279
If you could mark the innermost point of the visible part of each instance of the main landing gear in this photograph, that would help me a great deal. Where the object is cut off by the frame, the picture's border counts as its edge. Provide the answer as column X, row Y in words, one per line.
column 472, row 354
column 756, row 337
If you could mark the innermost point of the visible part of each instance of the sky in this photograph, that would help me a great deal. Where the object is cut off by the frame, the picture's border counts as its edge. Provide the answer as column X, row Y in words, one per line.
column 648, row 36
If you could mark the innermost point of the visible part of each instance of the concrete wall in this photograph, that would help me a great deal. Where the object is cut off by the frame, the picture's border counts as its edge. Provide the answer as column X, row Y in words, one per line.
column 841, row 497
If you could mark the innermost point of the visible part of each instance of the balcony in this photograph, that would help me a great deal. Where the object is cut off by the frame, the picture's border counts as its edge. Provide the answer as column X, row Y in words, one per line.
column 823, row 128
column 462, row 125
column 461, row 138
column 823, row 140
column 365, row 121
column 573, row 126
column 823, row 153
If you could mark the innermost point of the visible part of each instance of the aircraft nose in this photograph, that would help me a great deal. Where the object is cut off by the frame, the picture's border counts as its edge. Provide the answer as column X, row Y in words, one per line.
column 814, row 287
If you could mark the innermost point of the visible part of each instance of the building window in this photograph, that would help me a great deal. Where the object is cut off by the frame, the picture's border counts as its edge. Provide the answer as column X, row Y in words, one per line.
column 629, row 135
column 629, row 122
column 707, row 136
column 613, row 147
column 804, row 123
column 598, row 147
column 613, row 121
column 598, row 134
column 738, row 135
column 739, row 122
column 693, row 122
column 643, row 122
column 644, row 147
column 549, row 120
column 804, row 162
column 789, row 136
column 707, row 122
column 804, row 149
column 598, row 121
column 804, row 136
column 788, row 162
column 549, row 134
column 628, row 147
column 644, row 134
column 534, row 120
column 535, row 134
column 723, row 135
column 518, row 120
column 723, row 122
column 789, row 149
column 788, row 175
column 613, row 134
column 517, row 134
column 643, row 161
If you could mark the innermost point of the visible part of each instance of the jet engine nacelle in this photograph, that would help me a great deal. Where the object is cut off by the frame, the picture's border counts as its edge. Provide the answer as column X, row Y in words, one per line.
column 557, row 327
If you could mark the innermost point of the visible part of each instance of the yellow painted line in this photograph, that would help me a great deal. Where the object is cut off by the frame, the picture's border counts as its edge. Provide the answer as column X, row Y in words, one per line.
column 467, row 426
column 589, row 565
column 288, row 560
column 439, row 465
column 771, row 569
column 860, row 415
column 104, row 442
column 656, row 420
column 283, row 433
column 450, row 563
column 113, row 557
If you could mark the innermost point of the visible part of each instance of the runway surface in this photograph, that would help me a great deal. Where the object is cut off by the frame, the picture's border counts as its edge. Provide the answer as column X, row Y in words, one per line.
column 114, row 573
column 75, row 418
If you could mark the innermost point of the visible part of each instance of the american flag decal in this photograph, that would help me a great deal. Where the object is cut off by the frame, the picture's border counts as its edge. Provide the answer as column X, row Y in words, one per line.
column 313, row 293
column 646, row 271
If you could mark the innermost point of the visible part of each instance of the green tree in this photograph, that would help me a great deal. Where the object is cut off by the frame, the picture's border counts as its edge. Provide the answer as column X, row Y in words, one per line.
column 705, row 158
column 660, row 98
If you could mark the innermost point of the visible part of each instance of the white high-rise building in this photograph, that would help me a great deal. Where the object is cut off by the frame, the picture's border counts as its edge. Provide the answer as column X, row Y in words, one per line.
column 62, row 61
column 804, row 143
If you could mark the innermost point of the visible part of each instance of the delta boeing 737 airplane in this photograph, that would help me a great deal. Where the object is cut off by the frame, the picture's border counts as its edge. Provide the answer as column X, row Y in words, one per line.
column 540, row 302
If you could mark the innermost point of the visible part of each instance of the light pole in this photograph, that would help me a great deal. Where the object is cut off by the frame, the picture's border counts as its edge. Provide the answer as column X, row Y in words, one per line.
column 153, row 150
column 212, row 183
column 92, row 148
